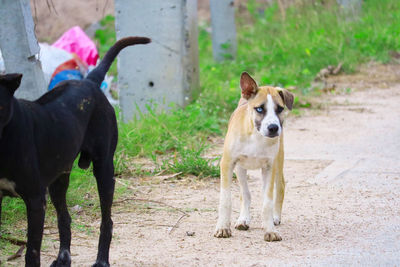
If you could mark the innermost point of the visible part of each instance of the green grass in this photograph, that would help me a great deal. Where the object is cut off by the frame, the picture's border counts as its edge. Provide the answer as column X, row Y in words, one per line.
column 275, row 52
column 105, row 36
column 178, row 138
column 189, row 160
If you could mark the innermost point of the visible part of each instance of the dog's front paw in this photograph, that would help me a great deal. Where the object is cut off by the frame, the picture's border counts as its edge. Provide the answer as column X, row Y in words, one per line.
column 242, row 224
column 272, row 236
column 59, row 264
column 63, row 259
column 224, row 233
column 101, row 264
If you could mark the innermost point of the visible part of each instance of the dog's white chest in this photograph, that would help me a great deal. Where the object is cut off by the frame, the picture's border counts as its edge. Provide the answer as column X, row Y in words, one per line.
column 6, row 185
column 255, row 152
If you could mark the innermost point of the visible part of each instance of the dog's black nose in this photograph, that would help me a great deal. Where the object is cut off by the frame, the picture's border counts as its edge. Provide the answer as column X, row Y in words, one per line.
column 273, row 128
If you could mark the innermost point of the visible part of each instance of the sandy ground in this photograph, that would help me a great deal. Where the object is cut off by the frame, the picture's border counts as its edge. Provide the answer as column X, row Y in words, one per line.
column 53, row 17
column 341, row 208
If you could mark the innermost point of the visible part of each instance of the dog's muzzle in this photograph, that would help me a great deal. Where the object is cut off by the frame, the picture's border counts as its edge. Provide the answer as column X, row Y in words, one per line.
column 273, row 130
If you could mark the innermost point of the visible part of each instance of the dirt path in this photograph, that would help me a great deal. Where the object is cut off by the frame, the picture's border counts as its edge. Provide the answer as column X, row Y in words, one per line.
column 342, row 203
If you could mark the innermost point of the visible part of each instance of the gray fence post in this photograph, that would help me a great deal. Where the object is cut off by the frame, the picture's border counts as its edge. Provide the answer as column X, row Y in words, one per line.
column 223, row 29
column 352, row 7
column 165, row 71
column 19, row 47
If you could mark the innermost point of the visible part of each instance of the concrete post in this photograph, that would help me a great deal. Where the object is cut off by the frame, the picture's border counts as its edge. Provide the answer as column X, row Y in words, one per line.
column 223, row 29
column 353, row 7
column 165, row 71
column 20, row 48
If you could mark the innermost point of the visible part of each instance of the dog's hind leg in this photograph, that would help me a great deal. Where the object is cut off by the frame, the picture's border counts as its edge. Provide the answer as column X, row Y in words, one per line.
column 58, row 191
column 243, row 221
column 104, row 172
column 35, row 207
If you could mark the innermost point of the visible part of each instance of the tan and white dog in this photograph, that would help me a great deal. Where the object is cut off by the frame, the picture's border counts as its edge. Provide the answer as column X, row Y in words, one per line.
column 254, row 141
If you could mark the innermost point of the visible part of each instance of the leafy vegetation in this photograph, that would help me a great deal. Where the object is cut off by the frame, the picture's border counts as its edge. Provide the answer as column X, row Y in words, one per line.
column 105, row 36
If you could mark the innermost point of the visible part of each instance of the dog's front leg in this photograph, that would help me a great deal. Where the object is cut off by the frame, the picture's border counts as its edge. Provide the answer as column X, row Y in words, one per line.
column 35, row 208
column 225, row 206
column 279, row 192
column 268, row 177
column 243, row 222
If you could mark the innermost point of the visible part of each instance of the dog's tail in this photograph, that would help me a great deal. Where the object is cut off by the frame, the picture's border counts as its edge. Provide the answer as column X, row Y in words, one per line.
column 97, row 75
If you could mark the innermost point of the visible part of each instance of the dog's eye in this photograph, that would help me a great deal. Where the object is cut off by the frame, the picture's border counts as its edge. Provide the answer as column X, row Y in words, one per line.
column 279, row 109
column 259, row 109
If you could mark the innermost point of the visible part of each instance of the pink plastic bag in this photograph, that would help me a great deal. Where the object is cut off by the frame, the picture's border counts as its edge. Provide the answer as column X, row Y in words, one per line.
column 76, row 41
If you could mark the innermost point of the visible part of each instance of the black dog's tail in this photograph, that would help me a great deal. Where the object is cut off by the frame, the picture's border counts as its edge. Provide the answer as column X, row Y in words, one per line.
column 97, row 75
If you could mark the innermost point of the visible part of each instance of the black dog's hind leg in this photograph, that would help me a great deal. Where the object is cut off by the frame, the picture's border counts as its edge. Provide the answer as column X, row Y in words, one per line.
column 58, row 191
column 104, row 172
column 35, row 208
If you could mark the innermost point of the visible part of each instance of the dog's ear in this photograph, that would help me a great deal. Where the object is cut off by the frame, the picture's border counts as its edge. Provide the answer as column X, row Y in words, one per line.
column 11, row 81
column 287, row 97
column 248, row 85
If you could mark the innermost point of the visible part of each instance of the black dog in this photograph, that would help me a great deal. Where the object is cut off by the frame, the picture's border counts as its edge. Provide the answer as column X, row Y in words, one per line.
column 39, row 142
